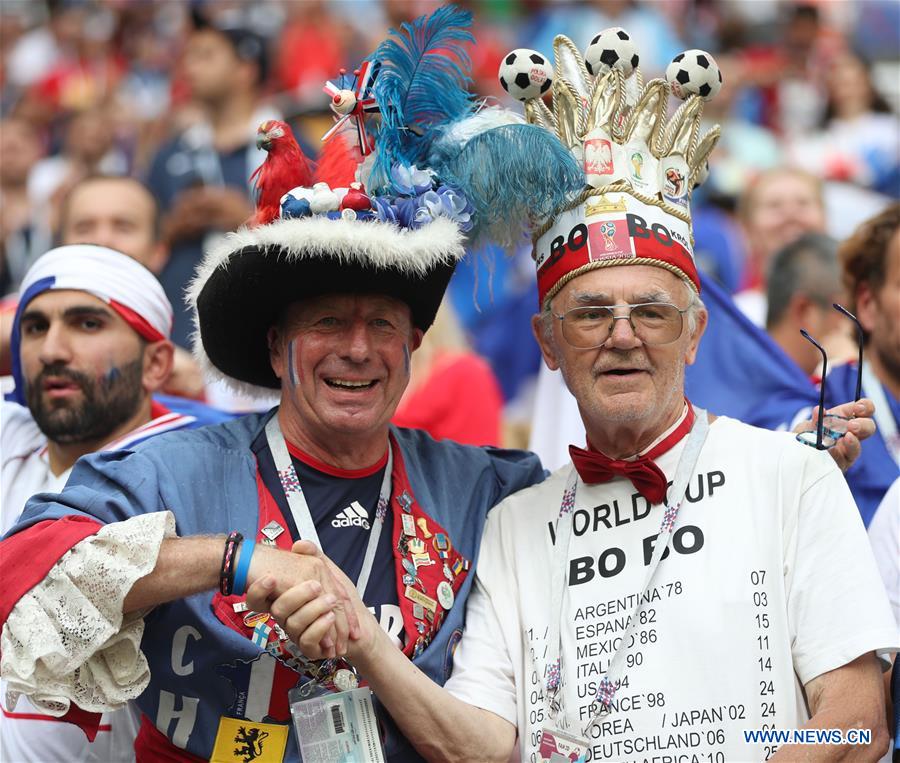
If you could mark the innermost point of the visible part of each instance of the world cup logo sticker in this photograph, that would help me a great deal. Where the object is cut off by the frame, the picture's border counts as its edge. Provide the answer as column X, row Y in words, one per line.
column 637, row 163
column 608, row 231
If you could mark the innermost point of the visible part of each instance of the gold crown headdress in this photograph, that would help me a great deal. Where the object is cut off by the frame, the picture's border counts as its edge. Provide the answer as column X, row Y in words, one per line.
column 617, row 127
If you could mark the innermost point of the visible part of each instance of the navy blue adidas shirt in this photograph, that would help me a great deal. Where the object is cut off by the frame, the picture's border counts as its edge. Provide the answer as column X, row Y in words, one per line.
column 342, row 504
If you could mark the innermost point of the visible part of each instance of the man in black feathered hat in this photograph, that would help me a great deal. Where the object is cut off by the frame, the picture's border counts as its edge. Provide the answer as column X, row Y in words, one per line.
column 325, row 305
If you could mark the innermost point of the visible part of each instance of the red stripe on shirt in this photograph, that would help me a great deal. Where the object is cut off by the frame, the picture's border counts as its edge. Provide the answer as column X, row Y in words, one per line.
column 41, row 717
column 334, row 471
column 157, row 409
column 152, row 746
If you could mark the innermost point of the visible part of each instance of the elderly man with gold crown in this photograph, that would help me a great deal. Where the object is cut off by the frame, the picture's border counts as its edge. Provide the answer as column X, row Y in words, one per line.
column 687, row 584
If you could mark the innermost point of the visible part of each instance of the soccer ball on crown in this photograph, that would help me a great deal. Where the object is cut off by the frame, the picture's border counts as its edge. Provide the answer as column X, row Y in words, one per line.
column 694, row 72
column 611, row 48
column 525, row 74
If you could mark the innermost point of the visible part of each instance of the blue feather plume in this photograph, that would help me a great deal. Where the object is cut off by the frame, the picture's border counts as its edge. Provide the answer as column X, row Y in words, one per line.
column 421, row 87
column 511, row 175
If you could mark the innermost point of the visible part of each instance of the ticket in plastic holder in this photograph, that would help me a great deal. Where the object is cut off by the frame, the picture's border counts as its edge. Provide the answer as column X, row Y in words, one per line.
column 559, row 747
column 337, row 728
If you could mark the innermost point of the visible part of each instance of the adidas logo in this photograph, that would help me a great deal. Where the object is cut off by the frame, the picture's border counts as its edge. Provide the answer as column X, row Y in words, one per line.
column 353, row 516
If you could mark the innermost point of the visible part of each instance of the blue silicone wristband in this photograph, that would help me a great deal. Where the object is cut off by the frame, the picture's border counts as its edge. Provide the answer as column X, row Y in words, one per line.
column 242, row 568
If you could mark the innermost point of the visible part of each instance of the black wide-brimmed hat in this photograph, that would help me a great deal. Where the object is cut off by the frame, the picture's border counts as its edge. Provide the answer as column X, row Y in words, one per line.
column 244, row 285
column 385, row 212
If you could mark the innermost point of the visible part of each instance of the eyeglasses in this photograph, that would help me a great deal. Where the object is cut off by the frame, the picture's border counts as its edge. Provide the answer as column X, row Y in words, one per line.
column 830, row 427
column 652, row 322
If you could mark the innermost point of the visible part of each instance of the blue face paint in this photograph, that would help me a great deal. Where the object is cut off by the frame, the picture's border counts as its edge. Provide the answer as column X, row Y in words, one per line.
column 111, row 377
column 406, row 358
column 292, row 365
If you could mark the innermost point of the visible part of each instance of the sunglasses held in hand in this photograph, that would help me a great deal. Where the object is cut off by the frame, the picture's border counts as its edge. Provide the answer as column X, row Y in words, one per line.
column 830, row 428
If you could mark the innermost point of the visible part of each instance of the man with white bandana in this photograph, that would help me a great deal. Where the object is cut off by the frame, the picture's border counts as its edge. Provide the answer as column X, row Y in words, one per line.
column 90, row 348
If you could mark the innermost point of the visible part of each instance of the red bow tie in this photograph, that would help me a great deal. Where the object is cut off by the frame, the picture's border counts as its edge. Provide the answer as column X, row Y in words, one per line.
column 648, row 479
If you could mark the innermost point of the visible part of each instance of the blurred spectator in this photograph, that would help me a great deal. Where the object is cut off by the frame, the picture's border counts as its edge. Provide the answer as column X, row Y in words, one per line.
column 86, row 70
column 311, row 50
column 22, row 240
column 117, row 212
column 746, row 147
column 860, row 138
column 88, row 148
column 778, row 207
column 452, row 393
column 651, row 29
column 30, row 48
column 871, row 268
column 144, row 93
column 783, row 73
column 120, row 213
column 494, row 296
column 493, row 41
column 91, row 356
column 804, row 281
column 201, row 177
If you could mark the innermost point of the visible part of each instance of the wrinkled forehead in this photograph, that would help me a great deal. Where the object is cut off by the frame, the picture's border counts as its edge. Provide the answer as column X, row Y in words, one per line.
column 623, row 284
column 783, row 187
column 346, row 305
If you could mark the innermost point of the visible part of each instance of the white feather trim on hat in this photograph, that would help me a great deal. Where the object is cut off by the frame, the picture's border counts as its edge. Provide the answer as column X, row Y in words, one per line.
column 382, row 245
column 211, row 372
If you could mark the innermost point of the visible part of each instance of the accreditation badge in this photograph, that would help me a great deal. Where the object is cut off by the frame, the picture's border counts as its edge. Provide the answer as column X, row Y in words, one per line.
column 239, row 740
column 337, row 726
column 560, row 747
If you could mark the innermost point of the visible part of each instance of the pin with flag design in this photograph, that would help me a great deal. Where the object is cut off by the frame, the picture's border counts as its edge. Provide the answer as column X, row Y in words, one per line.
column 261, row 635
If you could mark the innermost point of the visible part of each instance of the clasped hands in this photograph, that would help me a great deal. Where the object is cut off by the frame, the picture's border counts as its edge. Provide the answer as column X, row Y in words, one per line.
column 312, row 600
column 320, row 610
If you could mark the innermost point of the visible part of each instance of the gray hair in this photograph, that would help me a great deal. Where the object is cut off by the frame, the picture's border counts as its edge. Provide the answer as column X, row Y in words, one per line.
column 807, row 266
column 694, row 308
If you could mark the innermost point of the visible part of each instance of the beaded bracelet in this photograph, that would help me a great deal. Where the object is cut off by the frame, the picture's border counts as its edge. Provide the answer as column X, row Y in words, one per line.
column 226, row 574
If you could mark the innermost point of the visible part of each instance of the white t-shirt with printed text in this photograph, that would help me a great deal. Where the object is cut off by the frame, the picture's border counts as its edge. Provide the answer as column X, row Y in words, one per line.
column 768, row 583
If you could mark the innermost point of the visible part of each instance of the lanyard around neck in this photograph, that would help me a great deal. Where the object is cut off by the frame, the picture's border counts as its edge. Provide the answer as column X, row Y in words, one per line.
column 553, row 666
column 884, row 417
column 293, row 492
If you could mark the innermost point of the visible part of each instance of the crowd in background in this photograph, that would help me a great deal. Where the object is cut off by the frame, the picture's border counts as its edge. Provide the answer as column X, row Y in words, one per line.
column 172, row 92
column 132, row 124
